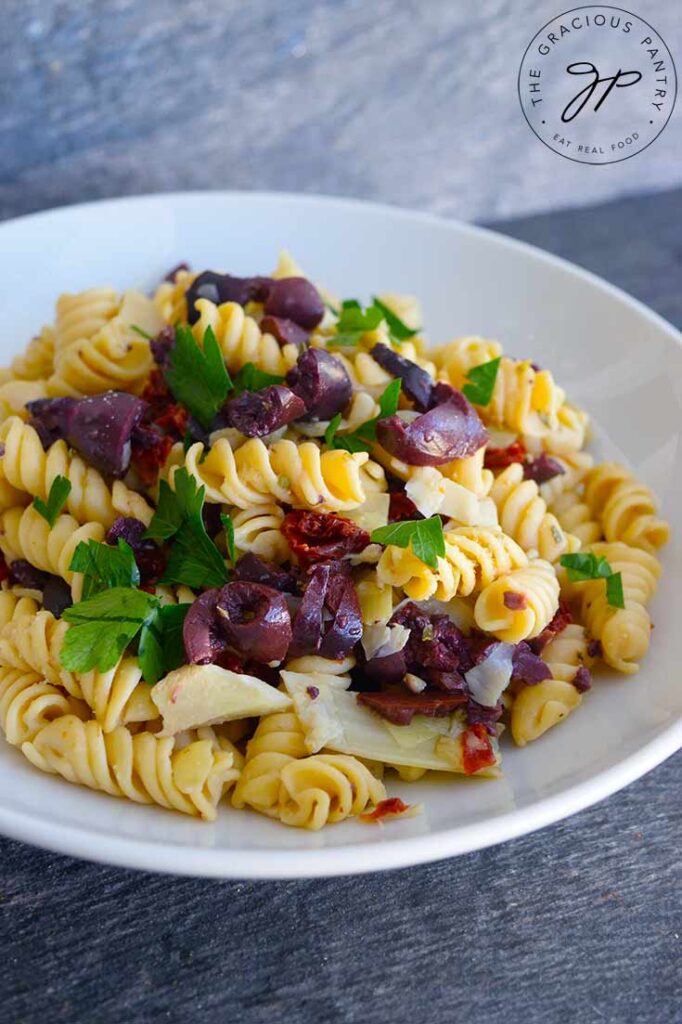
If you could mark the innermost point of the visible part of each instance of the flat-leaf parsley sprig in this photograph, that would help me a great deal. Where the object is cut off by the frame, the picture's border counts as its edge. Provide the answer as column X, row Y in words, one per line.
column 354, row 321
column 425, row 536
column 481, row 382
column 585, row 565
column 359, row 440
column 198, row 377
column 60, row 489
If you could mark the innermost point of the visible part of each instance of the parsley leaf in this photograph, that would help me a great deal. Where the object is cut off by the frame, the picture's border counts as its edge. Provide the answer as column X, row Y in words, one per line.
column 360, row 439
column 104, row 566
column 60, row 489
column 614, row 590
column 250, row 378
column 102, row 627
column 424, row 535
column 161, row 647
column 353, row 322
column 185, row 502
column 481, row 384
column 194, row 559
column 198, row 379
column 585, row 565
column 398, row 329
column 229, row 536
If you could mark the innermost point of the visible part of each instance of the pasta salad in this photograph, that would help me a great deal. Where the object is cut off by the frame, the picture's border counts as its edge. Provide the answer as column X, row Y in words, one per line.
column 264, row 546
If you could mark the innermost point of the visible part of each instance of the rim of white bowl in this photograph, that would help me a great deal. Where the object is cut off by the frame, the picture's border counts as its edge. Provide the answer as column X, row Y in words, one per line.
column 262, row 863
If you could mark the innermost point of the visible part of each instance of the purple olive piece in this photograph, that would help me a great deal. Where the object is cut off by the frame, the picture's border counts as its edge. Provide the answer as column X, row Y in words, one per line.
column 345, row 629
column 527, row 666
column 256, row 413
column 51, row 417
column 416, row 383
column 126, row 528
column 287, row 332
column 172, row 274
column 252, row 569
column 99, row 427
column 23, row 574
column 542, row 469
column 219, row 288
column 204, row 641
column 322, row 382
column 450, row 431
column 328, row 588
column 582, row 680
column 479, row 714
column 57, row 596
column 255, row 620
column 387, row 670
column 162, row 344
column 307, row 624
column 295, row 298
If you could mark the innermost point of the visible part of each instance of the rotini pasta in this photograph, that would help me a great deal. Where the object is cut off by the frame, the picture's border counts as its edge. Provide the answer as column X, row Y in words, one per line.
column 28, row 704
column 25, row 534
column 625, row 508
column 519, row 604
column 241, row 339
column 524, row 516
column 37, row 360
column 325, row 788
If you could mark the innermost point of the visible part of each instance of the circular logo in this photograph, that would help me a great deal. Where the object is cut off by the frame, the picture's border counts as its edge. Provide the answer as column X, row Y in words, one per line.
column 597, row 84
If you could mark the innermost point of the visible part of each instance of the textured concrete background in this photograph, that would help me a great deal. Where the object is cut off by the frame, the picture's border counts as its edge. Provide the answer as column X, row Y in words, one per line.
column 410, row 101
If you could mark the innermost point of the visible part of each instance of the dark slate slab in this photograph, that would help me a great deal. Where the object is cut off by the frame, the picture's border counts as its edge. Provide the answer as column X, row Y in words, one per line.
column 580, row 922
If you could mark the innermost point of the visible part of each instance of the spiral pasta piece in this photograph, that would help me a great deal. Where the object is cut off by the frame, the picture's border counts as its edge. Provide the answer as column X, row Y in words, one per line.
column 28, row 468
column 537, row 708
column 564, row 435
column 14, row 395
column 299, row 475
column 83, row 314
column 518, row 605
column 470, row 473
column 325, row 788
column 13, row 607
column 278, row 739
column 474, row 557
column 141, row 767
column 32, row 643
column 625, row 508
column 624, row 633
column 37, row 360
column 257, row 530
column 28, row 703
column 523, row 515
column 118, row 697
column 114, row 359
column 241, row 340
column 575, row 516
column 575, row 465
column 25, row 534
column 169, row 297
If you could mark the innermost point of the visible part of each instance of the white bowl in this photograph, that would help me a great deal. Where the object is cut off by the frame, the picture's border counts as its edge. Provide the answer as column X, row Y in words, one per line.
column 614, row 356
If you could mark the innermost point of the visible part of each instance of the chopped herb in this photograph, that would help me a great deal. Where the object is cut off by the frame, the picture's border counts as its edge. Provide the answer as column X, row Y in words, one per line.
column 60, row 489
column 174, row 506
column 250, row 378
column 104, row 566
column 353, row 322
column 585, row 565
column 198, row 379
column 161, row 647
column 194, row 559
column 481, row 384
column 360, row 439
column 229, row 536
column 102, row 627
column 398, row 329
column 187, row 442
column 141, row 332
column 424, row 535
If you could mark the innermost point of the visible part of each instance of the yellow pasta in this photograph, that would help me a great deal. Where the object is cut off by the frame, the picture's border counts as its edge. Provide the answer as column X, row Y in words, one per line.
column 278, row 739
column 523, row 515
column 37, row 360
column 625, row 508
column 241, row 340
column 32, row 642
column 257, row 530
column 519, row 604
column 28, row 704
column 25, row 534
column 326, row 788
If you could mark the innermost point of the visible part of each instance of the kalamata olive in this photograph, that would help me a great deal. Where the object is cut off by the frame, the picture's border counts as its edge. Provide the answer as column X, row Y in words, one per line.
column 162, row 344
column 400, row 708
column 57, row 596
column 452, row 430
column 416, row 383
column 255, row 620
column 23, row 574
column 253, row 569
column 527, row 666
column 287, row 332
column 99, row 427
column 173, row 273
column 256, row 413
column 387, row 670
column 203, row 638
column 542, row 469
column 126, row 528
column 322, row 382
column 295, row 298
column 219, row 288
column 328, row 588
column 51, row 417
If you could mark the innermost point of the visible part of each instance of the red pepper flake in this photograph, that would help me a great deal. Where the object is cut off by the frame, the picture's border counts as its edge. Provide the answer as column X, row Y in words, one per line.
column 500, row 458
column 477, row 749
column 321, row 536
column 313, row 692
column 514, row 601
column 392, row 807
column 4, row 569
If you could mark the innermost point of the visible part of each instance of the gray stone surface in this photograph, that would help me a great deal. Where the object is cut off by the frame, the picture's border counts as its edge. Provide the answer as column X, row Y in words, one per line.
column 580, row 922
column 410, row 101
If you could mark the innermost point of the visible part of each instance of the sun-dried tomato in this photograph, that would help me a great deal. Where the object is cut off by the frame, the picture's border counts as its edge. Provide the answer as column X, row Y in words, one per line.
column 477, row 749
column 391, row 807
column 320, row 536
column 174, row 421
column 500, row 458
column 562, row 618
column 401, row 508
column 149, row 452
column 156, row 393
